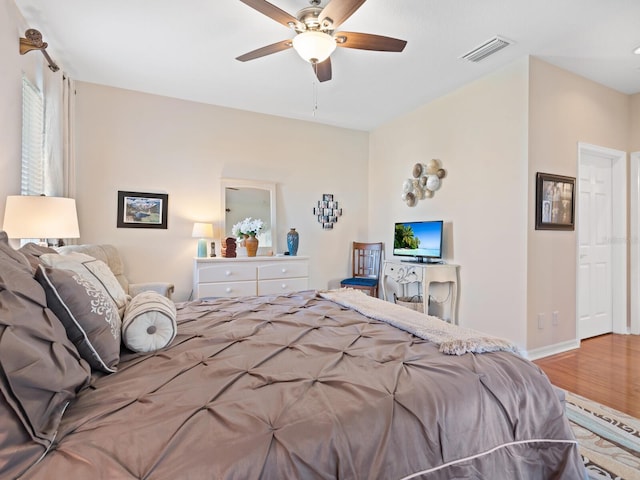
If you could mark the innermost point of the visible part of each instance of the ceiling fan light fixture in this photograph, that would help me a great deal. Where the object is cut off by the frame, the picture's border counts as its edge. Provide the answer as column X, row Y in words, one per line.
column 313, row 46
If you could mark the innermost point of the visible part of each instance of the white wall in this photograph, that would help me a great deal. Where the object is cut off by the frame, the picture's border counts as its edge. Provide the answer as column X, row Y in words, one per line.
column 479, row 133
column 634, row 125
column 145, row 143
column 564, row 109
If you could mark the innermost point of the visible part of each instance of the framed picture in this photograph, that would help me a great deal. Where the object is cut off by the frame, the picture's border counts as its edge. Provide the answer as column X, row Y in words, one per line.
column 555, row 202
column 142, row 210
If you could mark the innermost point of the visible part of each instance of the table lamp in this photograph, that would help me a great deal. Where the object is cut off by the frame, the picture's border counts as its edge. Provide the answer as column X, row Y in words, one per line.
column 202, row 231
column 30, row 216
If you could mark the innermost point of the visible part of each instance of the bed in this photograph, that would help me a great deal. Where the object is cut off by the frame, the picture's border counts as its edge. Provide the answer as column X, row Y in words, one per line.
column 299, row 386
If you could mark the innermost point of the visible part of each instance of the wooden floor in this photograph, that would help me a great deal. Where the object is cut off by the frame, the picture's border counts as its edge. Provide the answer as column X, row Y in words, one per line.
column 605, row 369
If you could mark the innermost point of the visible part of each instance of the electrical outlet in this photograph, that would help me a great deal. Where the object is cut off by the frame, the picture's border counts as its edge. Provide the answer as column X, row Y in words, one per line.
column 554, row 318
column 541, row 321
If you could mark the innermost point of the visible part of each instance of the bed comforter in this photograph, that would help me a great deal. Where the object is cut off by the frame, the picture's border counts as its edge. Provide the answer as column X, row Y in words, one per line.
column 298, row 387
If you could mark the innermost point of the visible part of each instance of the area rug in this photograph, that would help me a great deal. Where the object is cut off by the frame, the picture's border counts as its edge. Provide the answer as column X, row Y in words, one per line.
column 609, row 440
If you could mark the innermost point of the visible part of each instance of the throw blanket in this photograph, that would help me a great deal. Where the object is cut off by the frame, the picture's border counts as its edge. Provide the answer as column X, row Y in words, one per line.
column 451, row 339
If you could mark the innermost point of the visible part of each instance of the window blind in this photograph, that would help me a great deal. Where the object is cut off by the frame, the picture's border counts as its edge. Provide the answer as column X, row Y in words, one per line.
column 32, row 179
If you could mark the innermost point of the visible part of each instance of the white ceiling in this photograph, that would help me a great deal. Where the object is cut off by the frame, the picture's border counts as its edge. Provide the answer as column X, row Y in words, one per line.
column 187, row 48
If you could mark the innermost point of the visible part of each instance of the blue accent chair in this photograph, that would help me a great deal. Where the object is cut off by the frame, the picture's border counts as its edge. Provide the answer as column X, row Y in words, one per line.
column 365, row 267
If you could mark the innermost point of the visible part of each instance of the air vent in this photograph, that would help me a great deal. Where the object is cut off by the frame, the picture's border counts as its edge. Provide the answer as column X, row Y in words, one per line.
column 487, row 48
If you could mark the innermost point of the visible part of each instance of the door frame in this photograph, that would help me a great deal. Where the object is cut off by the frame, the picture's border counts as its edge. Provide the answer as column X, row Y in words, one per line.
column 634, row 232
column 619, row 282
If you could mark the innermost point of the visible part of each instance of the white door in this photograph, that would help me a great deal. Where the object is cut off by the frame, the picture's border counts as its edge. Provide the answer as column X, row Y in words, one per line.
column 595, row 299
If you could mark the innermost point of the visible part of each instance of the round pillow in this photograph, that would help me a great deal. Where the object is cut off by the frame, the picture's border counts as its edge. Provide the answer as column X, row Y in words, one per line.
column 149, row 322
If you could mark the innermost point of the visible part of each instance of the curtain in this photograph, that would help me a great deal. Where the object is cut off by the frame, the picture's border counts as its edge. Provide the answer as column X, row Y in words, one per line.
column 53, row 162
column 59, row 151
column 68, row 131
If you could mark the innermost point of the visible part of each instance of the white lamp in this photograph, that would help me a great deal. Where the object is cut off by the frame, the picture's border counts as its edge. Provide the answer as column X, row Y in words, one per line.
column 313, row 46
column 40, row 217
column 202, row 231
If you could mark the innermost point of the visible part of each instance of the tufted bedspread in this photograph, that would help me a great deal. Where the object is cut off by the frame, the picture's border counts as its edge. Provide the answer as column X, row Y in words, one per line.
column 297, row 387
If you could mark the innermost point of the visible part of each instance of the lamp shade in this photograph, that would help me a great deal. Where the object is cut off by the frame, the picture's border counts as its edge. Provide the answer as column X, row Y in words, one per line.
column 314, row 47
column 40, row 217
column 202, row 230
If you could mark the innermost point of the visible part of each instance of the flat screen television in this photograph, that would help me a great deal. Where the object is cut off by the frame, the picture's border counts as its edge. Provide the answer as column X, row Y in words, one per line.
column 420, row 240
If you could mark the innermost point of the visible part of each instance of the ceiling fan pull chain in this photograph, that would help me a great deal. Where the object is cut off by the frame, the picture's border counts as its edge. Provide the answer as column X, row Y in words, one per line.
column 315, row 90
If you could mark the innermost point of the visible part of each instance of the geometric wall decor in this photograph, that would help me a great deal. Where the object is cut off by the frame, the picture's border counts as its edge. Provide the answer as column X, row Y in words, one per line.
column 327, row 211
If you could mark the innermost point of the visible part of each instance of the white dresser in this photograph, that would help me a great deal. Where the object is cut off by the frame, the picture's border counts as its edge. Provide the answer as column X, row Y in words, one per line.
column 233, row 277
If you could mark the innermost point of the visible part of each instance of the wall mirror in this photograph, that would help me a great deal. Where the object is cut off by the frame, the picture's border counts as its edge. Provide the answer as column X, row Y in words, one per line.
column 248, row 198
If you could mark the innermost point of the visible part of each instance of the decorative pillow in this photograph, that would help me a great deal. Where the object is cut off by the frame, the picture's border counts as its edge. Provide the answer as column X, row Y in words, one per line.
column 93, row 270
column 149, row 322
column 89, row 316
column 40, row 369
column 33, row 252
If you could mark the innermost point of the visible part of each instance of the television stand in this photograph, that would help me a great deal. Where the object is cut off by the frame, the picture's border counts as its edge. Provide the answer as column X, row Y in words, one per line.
column 403, row 274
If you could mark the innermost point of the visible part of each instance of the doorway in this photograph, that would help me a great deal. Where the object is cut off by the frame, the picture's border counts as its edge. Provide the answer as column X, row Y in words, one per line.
column 601, row 302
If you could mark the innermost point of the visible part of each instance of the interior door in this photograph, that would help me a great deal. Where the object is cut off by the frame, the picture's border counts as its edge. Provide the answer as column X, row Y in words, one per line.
column 595, row 279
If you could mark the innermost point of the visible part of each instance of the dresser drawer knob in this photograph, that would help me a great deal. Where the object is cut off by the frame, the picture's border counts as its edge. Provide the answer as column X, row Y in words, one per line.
column 284, row 286
column 227, row 273
column 228, row 290
column 284, row 270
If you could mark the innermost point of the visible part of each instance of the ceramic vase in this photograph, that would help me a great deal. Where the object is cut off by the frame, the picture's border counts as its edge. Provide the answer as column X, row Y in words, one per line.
column 252, row 246
column 292, row 242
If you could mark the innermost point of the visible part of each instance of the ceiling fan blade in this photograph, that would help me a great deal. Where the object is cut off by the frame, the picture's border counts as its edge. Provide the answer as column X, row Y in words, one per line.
column 367, row 41
column 337, row 11
column 272, row 12
column 268, row 50
column 323, row 70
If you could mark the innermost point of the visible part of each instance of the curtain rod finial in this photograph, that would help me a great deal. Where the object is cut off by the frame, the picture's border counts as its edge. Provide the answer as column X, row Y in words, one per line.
column 33, row 41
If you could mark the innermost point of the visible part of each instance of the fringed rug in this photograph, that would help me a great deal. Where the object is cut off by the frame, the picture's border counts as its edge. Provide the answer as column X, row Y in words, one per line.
column 609, row 440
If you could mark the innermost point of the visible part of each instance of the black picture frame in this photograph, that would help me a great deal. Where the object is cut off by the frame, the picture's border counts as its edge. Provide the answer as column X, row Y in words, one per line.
column 142, row 210
column 555, row 202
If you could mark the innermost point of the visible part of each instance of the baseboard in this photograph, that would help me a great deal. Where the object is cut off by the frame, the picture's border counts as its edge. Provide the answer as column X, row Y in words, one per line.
column 541, row 352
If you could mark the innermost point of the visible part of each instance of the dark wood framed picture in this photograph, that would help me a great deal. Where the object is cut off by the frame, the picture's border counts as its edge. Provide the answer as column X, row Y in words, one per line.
column 142, row 210
column 555, row 202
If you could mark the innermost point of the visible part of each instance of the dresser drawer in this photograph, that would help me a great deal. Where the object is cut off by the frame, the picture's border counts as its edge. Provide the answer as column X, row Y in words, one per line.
column 403, row 273
column 226, row 273
column 283, row 270
column 226, row 289
column 237, row 277
column 283, row 285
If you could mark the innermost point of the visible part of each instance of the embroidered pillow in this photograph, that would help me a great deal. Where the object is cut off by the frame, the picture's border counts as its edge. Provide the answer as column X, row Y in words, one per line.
column 93, row 270
column 89, row 316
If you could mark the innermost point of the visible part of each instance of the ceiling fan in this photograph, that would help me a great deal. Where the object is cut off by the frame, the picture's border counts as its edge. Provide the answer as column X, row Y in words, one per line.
column 316, row 38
